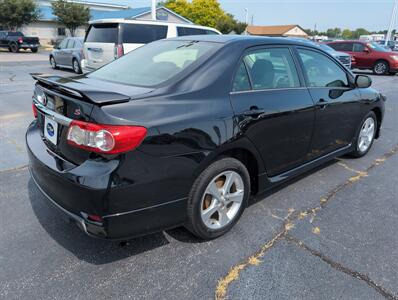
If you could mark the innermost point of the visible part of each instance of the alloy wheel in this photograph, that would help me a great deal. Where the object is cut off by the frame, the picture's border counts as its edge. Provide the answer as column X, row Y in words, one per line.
column 366, row 134
column 222, row 200
column 380, row 68
column 76, row 66
column 52, row 62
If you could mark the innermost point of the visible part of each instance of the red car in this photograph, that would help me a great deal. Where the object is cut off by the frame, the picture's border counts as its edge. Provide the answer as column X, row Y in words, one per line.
column 369, row 55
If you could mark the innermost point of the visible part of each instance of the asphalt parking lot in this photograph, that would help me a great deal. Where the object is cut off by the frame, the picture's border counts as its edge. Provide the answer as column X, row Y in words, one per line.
column 330, row 234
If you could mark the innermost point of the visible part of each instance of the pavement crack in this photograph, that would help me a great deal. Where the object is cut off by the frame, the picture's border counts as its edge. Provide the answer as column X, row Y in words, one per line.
column 339, row 267
column 288, row 224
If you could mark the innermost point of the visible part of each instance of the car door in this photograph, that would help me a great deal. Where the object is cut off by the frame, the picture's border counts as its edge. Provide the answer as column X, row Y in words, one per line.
column 273, row 108
column 60, row 52
column 69, row 52
column 362, row 56
column 336, row 99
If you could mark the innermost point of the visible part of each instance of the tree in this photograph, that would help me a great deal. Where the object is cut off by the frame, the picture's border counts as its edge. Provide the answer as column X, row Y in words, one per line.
column 16, row 13
column 359, row 31
column 333, row 32
column 206, row 13
column 347, row 34
column 71, row 15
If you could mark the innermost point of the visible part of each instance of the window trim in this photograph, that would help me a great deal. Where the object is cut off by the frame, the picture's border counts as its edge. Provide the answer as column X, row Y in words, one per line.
column 349, row 76
column 297, row 66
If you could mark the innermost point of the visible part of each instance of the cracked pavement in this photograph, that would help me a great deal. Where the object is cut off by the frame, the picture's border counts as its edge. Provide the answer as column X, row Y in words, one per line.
column 328, row 234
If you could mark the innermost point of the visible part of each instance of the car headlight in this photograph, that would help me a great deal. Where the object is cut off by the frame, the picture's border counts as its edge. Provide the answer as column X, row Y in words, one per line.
column 395, row 57
column 39, row 95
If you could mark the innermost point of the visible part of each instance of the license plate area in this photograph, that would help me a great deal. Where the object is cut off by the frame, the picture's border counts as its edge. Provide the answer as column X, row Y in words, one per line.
column 50, row 130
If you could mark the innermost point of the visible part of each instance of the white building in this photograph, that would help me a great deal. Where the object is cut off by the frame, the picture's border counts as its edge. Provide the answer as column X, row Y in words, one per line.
column 49, row 31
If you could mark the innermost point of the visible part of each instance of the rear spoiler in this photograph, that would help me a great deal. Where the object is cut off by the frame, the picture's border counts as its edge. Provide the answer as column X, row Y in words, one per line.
column 79, row 89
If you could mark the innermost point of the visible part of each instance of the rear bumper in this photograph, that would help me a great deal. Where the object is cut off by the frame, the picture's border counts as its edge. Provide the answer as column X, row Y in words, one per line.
column 79, row 191
column 27, row 45
column 85, row 68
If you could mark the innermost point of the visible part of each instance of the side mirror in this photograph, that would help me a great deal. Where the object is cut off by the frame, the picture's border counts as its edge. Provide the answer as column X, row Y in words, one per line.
column 363, row 81
column 57, row 47
column 366, row 50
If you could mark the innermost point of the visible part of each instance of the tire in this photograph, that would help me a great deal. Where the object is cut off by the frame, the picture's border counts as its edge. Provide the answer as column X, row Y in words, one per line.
column 14, row 48
column 53, row 62
column 34, row 50
column 361, row 136
column 76, row 66
column 381, row 67
column 214, row 204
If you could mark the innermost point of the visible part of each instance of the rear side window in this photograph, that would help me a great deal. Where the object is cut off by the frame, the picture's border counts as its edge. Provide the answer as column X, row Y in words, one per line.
column 71, row 44
column 342, row 47
column 272, row 68
column 183, row 31
column 241, row 80
column 103, row 33
column 321, row 71
column 142, row 33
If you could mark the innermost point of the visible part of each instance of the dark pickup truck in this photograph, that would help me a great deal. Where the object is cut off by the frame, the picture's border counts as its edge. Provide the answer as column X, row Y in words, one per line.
column 15, row 40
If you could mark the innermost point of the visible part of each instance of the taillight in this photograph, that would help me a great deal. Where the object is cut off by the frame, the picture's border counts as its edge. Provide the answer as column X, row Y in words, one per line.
column 119, row 51
column 107, row 139
column 20, row 40
column 34, row 108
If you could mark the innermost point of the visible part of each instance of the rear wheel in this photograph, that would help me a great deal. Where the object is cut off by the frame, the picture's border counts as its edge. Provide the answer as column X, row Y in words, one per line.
column 381, row 67
column 365, row 135
column 14, row 48
column 218, row 198
column 76, row 66
column 52, row 62
column 34, row 50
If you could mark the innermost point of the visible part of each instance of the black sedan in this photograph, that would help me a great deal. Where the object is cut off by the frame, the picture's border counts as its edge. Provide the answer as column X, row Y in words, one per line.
column 184, row 131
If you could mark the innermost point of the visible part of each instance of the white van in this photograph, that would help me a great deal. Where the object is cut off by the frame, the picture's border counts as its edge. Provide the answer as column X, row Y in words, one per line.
column 109, row 39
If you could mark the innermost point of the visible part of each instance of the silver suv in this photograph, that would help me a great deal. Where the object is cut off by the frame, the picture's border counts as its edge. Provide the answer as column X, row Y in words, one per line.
column 109, row 39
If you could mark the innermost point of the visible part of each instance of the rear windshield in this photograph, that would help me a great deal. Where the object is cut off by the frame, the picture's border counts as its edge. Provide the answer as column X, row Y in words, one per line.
column 142, row 33
column 155, row 63
column 103, row 33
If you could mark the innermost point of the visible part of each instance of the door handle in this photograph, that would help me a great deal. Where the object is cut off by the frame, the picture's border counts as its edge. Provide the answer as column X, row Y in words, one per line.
column 254, row 112
column 322, row 104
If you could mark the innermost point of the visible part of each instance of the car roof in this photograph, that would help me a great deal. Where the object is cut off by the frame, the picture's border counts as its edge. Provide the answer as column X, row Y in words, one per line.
column 246, row 39
column 152, row 22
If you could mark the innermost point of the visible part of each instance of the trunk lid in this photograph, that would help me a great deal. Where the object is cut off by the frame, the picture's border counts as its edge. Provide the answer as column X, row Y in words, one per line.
column 30, row 40
column 74, row 99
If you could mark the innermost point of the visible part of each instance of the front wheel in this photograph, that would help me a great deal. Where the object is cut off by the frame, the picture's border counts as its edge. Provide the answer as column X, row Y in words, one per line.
column 218, row 198
column 381, row 68
column 14, row 48
column 76, row 66
column 52, row 62
column 365, row 136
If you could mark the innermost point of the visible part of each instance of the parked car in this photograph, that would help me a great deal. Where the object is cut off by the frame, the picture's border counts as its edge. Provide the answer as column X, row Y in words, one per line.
column 391, row 45
column 344, row 58
column 109, row 39
column 183, row 131
column 15, row 40
column 369, row 55
column 67, row 54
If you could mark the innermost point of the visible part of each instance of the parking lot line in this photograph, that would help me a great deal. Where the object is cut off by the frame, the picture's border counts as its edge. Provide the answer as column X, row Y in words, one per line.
column 9, row 117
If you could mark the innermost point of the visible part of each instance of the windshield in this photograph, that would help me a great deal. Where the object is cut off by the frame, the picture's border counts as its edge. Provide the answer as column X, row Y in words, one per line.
column 155, row 63
column 377, row 47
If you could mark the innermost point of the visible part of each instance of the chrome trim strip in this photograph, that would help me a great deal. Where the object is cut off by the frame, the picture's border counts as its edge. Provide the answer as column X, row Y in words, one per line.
column 268, row 90
column 144, row 208
column 60, row 119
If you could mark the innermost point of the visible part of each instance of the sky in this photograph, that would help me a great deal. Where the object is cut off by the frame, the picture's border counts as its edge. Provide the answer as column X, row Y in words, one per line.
column 373, row 15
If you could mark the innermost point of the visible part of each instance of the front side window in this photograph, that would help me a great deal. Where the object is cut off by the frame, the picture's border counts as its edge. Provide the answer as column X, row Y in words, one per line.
column 183, row 31
column 71, row 44
column 321, row 71
column 142, row 33
column 63, row 44
column 155, row 63
column 241, row 80
column 358, row 47
column 272, row 69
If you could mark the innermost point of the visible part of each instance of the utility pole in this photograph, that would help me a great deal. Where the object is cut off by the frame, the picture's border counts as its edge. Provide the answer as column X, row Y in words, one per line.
column 392, row 22
column 153, row 10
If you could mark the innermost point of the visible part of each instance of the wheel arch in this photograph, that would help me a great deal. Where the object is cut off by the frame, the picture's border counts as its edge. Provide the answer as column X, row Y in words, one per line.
column 379, row 116
column 245, row 152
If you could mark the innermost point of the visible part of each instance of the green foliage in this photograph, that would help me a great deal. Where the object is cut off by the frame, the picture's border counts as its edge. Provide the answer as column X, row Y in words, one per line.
column 71, row 15
column 206, row 13
column 16, row 13
column 347, row 34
